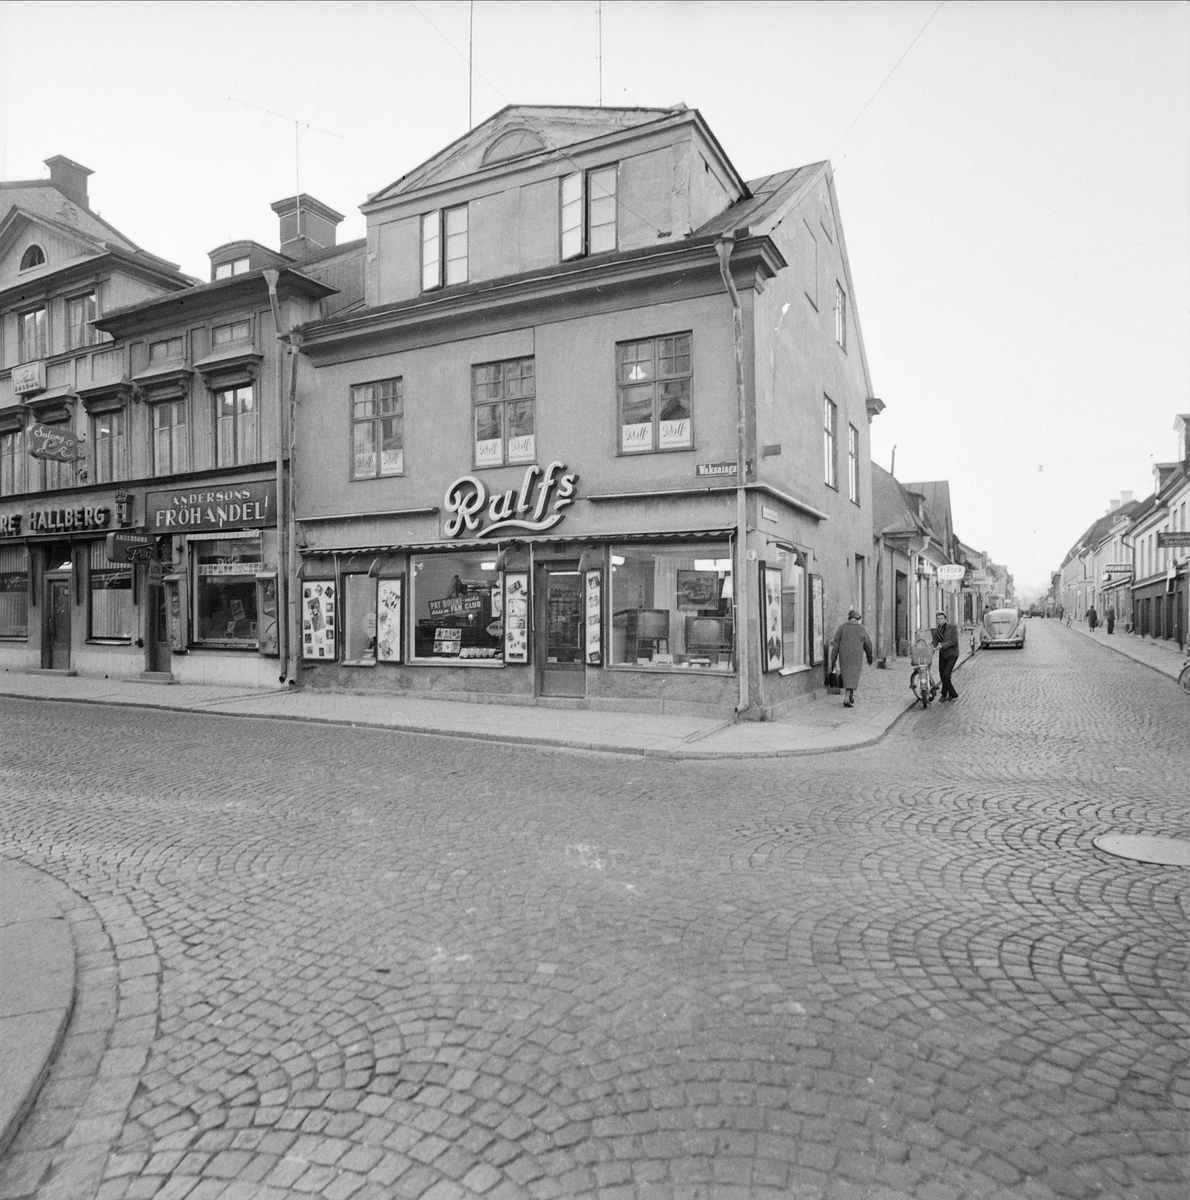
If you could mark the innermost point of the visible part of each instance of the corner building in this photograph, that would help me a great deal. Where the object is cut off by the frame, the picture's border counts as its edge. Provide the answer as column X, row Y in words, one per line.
column 516, row 465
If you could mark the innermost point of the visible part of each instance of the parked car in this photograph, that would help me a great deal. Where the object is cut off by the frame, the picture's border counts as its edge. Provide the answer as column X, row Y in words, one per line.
column 1002, row 627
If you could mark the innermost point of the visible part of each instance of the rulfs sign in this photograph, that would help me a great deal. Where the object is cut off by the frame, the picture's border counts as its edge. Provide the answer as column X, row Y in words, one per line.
column 55, row 442
column 536, row 506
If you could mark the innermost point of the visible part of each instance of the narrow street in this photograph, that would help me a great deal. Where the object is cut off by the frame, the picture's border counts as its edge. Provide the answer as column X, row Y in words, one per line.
column 350, row 963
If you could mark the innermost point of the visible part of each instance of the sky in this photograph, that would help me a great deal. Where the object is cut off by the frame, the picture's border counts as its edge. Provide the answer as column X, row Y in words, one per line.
column 1013, row 182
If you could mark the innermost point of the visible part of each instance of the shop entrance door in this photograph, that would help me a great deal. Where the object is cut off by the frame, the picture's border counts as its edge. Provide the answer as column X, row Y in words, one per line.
column 561, row 670
column 157, row 635
column 57, row 608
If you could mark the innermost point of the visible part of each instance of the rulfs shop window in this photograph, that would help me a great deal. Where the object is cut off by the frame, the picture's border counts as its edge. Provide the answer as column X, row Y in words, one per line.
column 236, row 426
column 14, row 592
column 504, row 397
column 654, row 382
column 672, row 606
column 372, row 619
column 171, row 437
column 12, row 461
column 378, row 429
column 80, row 312
column 224, row 572
column 110, row 586
column 443, row 247
column 458, row 610
column 32, row 335
column 589, row 212
column 109, row 437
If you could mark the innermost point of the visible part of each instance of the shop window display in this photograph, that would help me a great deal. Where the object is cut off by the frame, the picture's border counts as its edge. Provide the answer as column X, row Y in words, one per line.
column 458, row 608
column 111, row 596
column 224, row 572
column 672, row 607
column 793, row 612
column 14, row 592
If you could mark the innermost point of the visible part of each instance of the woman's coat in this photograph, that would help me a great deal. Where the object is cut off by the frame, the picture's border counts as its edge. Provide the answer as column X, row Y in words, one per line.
column 851, row 646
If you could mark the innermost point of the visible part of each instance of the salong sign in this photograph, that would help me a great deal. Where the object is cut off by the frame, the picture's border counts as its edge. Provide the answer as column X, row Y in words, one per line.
column 235, row 506
column 53, row 441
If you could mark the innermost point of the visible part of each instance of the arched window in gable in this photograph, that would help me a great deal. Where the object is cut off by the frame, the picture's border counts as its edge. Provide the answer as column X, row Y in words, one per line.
column 33, row 257
column 512, row 144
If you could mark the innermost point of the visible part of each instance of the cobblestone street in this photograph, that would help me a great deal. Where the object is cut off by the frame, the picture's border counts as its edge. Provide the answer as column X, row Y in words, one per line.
column 323, row 961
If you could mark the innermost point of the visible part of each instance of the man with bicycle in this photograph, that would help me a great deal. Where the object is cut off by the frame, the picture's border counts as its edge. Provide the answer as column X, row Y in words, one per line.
column 946, row 638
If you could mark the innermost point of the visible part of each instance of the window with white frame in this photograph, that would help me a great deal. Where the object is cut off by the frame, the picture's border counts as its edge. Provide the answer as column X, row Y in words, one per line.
column 14, row 591
column 12, row 462
column 80, row 312
column 840, row 315
column 588, row 212
column 239, row 266
column 830, row 439
column 378, row 429
column 171, row 437
column 32, row 335
column 654, row 386
column 109, row 439
column 503, row 395
column 853, row 464
column 110, row 583
column 236, row 426
column 444, row 247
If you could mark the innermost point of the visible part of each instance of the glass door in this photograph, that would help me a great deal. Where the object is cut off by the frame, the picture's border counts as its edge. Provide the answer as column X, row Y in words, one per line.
column 58, row 615
column 561, row 667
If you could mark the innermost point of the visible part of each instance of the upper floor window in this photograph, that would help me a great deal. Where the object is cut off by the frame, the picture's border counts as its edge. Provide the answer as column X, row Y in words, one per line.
column 830, row 438
column 32, row 335
column 444, row 247
column 654, row 383
column 238, row 331
column 108, row 434
column 80, row 312
column 853, row 464
column 33, row 257
column 12, row 462
column 840, row 315
column 378, row 429
column 589, row 212
column 504, row 396
column 226, row 270
column 165, row 350
column 235, row 427
column 171, row 437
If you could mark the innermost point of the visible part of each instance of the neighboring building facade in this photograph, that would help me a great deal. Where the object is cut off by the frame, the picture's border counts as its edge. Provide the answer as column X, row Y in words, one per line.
column 63, row 446
column 524, row 481
column 1111, row 564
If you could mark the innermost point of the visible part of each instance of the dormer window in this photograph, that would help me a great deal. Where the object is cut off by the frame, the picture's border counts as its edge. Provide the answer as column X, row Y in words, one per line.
column 33, row 257
column 589, row 212
column 32, row 335
column 239, row 266
column 80, row 312
column 443, row 229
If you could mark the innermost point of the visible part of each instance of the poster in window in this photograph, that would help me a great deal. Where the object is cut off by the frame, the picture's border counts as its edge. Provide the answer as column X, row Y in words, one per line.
column 698, row 589
column 388, row 620
column 594, row 618
column 318, row 620
column 516, row 617
column 772, row 641
column 266, row 604
column 816, row 632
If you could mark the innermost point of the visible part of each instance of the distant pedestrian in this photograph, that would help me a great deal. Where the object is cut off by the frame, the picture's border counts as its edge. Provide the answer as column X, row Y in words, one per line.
column 851, row 645
column 946, row 638
column 1092, row 618
column 1111, row 620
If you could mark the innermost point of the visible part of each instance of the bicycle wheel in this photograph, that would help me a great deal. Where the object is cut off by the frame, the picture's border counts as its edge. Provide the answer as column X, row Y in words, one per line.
column 1184, row 678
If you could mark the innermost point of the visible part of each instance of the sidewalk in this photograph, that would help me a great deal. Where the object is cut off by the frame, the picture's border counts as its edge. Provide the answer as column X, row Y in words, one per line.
column 816, row 725
column 1161, row 656
column 36, row 988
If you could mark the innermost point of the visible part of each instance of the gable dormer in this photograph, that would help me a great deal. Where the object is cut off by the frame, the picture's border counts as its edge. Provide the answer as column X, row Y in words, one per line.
column 533, row 187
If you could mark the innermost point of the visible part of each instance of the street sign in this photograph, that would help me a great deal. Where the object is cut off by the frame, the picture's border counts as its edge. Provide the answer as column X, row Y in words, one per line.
column 1170, row 539
column 949, row 572
column 130, row 547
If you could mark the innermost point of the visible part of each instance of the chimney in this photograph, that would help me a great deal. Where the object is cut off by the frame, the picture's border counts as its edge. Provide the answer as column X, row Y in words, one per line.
column 70, row 178
column 307, row 225
column 1113, row 506
column 1125, row 497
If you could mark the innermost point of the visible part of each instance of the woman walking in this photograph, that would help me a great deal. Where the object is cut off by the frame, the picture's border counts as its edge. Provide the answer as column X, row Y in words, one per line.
column 850, row 646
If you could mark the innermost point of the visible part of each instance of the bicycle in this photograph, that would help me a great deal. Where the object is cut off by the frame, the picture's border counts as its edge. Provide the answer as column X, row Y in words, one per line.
column 1184, row 677
column 921, row 678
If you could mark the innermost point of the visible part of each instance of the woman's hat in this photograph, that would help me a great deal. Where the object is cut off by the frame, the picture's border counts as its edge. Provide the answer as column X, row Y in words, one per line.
column 853, row 615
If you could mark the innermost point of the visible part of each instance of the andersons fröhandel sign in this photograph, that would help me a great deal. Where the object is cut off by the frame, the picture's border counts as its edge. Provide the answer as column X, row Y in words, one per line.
column 533, row 507
column 236, row 506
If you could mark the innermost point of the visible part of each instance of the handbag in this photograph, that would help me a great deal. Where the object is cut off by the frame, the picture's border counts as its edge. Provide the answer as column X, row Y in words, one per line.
column 834, row 683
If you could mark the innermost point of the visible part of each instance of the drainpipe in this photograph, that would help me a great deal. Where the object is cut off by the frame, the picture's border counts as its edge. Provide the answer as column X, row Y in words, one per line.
column 295, row 622
column 283, row 558
column 723, row 247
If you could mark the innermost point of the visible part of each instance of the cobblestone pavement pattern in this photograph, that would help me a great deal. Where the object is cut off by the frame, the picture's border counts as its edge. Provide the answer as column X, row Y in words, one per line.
column 354, row 964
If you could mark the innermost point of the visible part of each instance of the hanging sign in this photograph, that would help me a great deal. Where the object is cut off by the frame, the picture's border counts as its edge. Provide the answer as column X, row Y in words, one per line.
column 130, row 547
column 318, row 620
column 594, row 618
column 950, row 572
column 524, row 508
column 56, row 442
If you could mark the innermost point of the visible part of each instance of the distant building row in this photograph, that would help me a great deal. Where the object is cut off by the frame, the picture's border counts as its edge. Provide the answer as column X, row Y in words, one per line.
column 490, row 450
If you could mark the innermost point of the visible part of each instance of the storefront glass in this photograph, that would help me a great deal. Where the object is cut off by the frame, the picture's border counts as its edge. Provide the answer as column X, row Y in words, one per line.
column 672, row 606
column 359, row 618
column 14, row 592
column 111, row 596
column 224, row 573
column 456, row 606
column 793, row 612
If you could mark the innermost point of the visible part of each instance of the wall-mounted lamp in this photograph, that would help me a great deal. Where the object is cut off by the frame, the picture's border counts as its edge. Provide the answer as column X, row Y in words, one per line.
column 123, row 508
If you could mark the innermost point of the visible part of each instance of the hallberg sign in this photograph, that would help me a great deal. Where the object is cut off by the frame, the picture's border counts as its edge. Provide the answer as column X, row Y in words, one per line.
column 56, row 520
column 236, row 506
column 528, row 508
